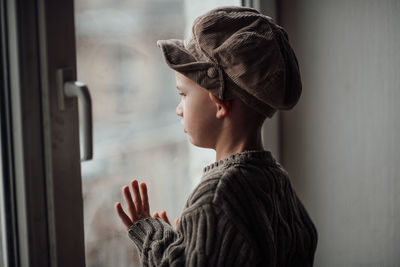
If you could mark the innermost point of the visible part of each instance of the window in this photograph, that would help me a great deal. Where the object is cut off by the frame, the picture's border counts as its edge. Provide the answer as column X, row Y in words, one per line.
column 136, row 131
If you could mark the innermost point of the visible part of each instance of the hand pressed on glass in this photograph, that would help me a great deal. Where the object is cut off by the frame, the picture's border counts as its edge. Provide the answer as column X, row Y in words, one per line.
column 138, row 207
column 163, row 216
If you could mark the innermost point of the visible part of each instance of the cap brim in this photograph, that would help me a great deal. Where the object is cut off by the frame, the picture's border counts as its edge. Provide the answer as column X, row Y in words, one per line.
column 178, row 57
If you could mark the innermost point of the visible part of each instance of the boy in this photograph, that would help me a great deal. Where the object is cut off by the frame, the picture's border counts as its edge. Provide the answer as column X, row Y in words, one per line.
column 235, row 70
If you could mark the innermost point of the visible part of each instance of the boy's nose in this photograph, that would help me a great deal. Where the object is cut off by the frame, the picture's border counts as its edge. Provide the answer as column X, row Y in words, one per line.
column 179, row 110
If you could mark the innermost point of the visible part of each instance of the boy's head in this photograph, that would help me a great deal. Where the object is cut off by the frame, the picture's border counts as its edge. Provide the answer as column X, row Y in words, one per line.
column 206, row 118
column 238, row 53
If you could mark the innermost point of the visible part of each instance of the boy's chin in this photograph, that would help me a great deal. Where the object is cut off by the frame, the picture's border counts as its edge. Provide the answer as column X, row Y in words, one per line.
column 197, row 143
column 194, row 142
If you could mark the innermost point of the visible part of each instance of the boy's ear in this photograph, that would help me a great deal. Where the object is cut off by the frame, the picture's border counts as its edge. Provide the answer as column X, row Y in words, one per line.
column 222, row 106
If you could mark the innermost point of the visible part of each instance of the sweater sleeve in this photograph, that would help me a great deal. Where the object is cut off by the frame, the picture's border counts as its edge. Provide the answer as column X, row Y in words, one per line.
column 204, row 237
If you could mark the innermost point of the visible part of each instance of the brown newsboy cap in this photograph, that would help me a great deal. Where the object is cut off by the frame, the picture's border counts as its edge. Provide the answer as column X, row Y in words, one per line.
column 238, row 52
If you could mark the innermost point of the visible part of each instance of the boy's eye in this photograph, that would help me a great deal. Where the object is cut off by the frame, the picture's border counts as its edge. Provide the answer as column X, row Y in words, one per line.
column 181, row 94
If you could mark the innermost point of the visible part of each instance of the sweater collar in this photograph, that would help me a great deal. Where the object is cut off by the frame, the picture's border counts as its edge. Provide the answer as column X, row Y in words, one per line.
column 242, row 157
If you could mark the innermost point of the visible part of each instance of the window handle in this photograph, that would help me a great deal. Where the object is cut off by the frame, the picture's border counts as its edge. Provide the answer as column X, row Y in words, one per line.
column 81, row 91
column 68, row 87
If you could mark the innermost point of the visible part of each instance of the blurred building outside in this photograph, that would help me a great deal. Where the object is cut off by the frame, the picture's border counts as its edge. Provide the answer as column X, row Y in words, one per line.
column 137, row 134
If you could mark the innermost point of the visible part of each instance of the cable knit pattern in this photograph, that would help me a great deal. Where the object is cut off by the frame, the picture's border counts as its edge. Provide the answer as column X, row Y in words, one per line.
column 244, row 212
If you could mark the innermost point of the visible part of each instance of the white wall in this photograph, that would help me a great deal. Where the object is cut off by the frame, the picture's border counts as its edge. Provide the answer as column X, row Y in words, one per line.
column 342, row 140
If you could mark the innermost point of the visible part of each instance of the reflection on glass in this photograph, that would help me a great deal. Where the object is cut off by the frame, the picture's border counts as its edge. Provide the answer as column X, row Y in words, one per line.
column 136, row 131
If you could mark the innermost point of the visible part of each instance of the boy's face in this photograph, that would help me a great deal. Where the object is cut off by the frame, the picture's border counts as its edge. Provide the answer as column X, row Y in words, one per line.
column 198, row 112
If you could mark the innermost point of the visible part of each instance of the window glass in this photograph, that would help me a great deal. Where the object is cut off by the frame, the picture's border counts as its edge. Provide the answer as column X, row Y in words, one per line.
column 136, row 131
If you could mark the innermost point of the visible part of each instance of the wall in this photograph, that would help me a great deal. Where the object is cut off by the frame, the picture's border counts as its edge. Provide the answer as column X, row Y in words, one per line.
column 342, row 140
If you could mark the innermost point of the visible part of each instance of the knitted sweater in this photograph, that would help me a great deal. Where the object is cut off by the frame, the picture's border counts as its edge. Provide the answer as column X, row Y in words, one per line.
column 244, row 212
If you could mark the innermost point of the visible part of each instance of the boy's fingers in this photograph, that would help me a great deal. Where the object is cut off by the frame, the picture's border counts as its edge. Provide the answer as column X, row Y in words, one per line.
column 129, row 203
column 155, row 215
column 145, row 199
column 122, row 215
column 136, row 196
column 164, row 217
column 176, row 224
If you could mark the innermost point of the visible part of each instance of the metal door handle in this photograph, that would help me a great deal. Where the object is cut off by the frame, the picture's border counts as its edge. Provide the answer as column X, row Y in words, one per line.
column 81, row 91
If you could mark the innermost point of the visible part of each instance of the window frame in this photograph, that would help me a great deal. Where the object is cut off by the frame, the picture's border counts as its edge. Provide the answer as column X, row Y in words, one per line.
column 45, row 162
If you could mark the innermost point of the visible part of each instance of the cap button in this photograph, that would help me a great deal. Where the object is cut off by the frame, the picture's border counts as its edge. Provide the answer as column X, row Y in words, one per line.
column 212, row 72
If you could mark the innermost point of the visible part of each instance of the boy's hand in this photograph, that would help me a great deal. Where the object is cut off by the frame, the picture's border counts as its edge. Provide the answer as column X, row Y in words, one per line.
column 138, row 208
column 163, row 216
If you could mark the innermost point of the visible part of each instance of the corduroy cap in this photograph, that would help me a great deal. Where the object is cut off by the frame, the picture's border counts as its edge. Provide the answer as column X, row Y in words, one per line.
column 238, row 52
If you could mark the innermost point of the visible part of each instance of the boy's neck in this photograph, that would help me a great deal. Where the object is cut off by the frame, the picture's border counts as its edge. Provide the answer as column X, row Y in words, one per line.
column 230, row 145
